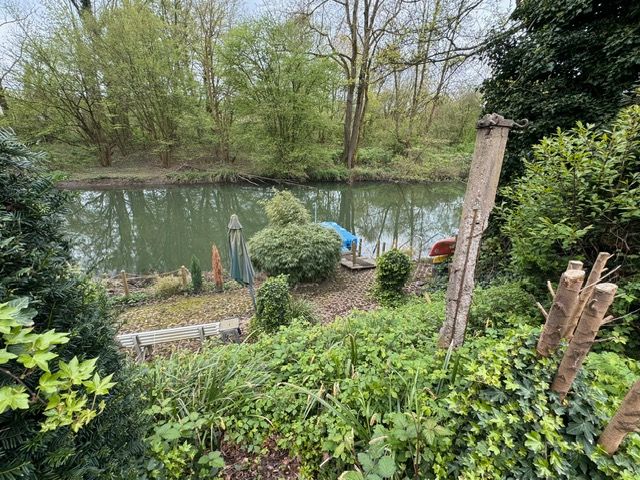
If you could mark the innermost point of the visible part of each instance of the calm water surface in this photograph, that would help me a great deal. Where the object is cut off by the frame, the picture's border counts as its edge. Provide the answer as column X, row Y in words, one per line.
column 159, row 229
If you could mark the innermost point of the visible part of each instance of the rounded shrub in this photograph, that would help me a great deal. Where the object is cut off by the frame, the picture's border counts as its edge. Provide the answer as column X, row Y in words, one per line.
column 290, row 245
column 285, row 209
column 392, row 273
column 273, row 304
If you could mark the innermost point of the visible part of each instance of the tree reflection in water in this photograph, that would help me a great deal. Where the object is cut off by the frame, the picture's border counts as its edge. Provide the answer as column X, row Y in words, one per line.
column 159, row 229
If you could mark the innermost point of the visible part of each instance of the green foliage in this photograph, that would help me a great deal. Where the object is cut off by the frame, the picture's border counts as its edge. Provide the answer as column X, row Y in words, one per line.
column 62, row 390
column 393, row 270
column 303, row 310
column 579, row 196
column 284, row 110
column 189, row 397
column 285, row 209
column 168, row 286
column 372, row 395
column 34, row 263
column 196, row 274
column 292, row 246
column 559, row 63
column 501, row 305
column 273, row 303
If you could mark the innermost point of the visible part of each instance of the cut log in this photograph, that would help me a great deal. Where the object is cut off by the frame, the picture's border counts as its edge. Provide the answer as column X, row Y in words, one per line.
column 563, row 304
column 575, row 265
column 585, row 294
column 590, row 322
column 625, row 421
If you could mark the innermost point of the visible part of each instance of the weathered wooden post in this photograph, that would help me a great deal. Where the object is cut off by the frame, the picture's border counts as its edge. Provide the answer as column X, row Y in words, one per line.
column 359, row 247
column 183, row 276
column 125, row 282
column 354, row 252
column 625, row 421
column 384, row 247
column 377, row 248
column 491, row 140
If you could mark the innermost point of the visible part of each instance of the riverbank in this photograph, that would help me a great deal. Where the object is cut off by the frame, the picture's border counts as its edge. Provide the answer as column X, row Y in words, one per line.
column 76, row 169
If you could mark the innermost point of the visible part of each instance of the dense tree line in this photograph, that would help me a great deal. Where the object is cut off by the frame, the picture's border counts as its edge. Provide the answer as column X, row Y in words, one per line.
column 302, row 86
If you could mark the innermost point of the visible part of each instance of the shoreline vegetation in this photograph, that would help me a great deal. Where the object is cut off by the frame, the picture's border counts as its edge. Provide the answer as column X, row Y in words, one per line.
column 75, row 169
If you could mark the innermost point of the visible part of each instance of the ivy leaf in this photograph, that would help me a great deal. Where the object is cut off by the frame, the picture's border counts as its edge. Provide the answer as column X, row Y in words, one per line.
column 5, row 356
column 13, row 398
column 533, row 442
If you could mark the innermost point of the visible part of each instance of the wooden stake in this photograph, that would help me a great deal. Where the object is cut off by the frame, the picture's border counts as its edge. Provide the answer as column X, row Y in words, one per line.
column 183, row 275
column 125, row 282
column 377, row 248
column 491, row 139
column 563, row 304
column 575, row 265
column 585, row 293
column 353, row 253
column 216, row 268
column 625, row 421
column 420, row 250
column 384, row 247
column 590, row 322
column 360, row 247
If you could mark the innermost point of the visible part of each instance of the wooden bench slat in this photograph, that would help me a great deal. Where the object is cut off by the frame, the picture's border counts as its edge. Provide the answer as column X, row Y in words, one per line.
column 152, row 337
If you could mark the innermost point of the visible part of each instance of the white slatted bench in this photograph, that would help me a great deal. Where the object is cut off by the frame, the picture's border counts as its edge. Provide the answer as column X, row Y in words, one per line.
column 144, row 341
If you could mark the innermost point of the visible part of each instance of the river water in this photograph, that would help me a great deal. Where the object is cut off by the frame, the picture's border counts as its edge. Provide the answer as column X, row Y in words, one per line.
column 159, row 229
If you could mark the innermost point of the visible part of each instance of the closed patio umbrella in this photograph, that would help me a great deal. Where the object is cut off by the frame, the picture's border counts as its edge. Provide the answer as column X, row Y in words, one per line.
column 241, row 268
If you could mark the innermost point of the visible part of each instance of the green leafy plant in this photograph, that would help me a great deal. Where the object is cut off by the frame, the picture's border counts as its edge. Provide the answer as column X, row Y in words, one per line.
column 273, row 303
column 556, row 208
column 61, row 395
column 303, row 310
column 196, row 274
column 393, row 270
column 291, row 246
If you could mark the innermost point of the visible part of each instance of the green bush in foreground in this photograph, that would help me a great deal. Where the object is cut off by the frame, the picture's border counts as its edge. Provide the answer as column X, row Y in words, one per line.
column 35, row 262
column 393, row 269
column 372, row 394
column 273, row 303
column 292, row 246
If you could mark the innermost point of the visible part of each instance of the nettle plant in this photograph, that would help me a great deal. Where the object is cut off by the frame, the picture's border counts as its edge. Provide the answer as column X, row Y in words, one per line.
column 66, row 395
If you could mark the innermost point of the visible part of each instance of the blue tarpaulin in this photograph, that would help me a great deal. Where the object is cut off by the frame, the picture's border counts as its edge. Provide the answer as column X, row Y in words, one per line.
column 346, row 235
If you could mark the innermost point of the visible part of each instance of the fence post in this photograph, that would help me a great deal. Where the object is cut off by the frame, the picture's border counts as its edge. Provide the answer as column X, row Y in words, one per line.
column 491, row 140
column 125, row 283
column 353, row 252
column 377, row 248
column 384, row 247
column 359, row 247
column 183, row 275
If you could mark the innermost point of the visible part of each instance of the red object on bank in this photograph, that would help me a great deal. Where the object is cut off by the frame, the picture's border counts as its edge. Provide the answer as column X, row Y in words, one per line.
column 443, row 247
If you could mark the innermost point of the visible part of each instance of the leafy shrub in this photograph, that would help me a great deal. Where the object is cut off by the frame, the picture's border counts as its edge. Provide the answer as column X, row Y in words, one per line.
column 291, row 246
column 196, row 275
column 305, row 253
column 393, row 269
column 34, row 262
column 273, row 303
column 285, row 209
column 374, row 156
column 579, row 196
column 168, row 286
column 500, row 306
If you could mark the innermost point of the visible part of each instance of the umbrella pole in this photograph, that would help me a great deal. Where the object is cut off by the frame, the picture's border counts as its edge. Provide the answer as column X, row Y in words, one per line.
column 253, row 297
